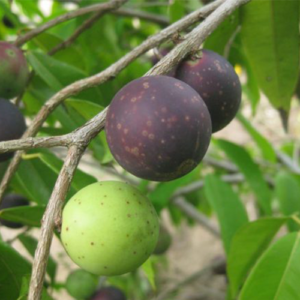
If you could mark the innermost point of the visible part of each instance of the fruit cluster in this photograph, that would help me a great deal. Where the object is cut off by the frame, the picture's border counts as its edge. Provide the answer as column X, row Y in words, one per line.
column 14, row 75
column 159, row 127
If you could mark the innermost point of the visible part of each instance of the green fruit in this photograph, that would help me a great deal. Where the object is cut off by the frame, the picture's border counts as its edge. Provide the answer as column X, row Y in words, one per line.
column 109, row 228
column 81, row 284
column 14, row 70
column 164, row 241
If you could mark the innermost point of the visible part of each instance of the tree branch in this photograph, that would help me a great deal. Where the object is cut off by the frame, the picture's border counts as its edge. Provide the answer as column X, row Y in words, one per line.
column 100, row 78
column 197, row 216
column 103, row 7
column 126, row 12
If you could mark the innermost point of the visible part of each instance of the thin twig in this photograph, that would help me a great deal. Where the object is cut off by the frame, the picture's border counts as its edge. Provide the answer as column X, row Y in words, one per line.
column 104, row 7
column 197, row 216
column 203, row 272
column 100, row 78
column 126, row 12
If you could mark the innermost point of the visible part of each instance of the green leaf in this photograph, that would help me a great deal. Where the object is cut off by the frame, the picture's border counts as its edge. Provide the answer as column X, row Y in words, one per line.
column 276, row 275
column 247, row 246
column 251, row 171
column 149, row 271
column 30, row 243
column 160, row 196
column 87, row 109
column 219, row 39
column 228, row 207
column 287, row 190
column 264, row 145
column 13, row 267
column 176, row 10
column 273, row 48
column 27, row 215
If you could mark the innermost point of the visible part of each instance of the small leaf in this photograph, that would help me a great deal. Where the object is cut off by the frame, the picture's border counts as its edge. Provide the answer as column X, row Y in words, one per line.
column 30, row 243
column 176, row 10
column 27, row 215
column 287, row 190
column 247, row 246
column 251, row 171
column 228, row 207
column 13, row 268
column 149, row 271
column 273, row 49
column 264, row 145
column 276, row 275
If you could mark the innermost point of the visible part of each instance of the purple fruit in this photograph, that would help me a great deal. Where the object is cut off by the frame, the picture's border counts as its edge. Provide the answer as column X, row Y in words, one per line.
column 215, row 80
column 158, row 128
column 11, row 201
column 12, row 125
column 108, row 293
column 14, row 71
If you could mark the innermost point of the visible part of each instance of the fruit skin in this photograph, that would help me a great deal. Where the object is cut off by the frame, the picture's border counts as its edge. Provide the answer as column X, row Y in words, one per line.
column 164, row 241
column 12, row 125
column 108, row 293
column 158, row 128
column 14, row 70
column 109, row 228
column 215, row 80
column 11, row 201
column 81, row 284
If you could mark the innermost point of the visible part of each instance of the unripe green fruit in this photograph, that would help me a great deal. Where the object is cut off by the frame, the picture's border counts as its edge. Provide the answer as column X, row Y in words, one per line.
column 81, row 284
column 109, row 228
column 164, row 242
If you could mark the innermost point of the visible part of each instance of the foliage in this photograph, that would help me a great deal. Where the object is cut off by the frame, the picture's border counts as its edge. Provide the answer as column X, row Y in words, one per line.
column 261, row 39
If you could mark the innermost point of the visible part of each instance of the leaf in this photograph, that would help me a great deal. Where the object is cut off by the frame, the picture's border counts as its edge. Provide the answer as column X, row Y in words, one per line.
column 149, row 272
column 160, row 196
column 264, row 145
column 27, row 215
column 273, row 49
column 218, row 40
column 228, row 207
column 251, row 171
column 276, row 275
column 176, row 10
column 247, row 246
column 30, row 243
column 287, row 190
column 13, row 267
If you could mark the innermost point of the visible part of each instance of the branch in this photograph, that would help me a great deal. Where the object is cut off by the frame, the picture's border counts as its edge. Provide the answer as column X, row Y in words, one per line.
column 197, row 216
column 86, row 25
column 100, row 78
column 125, row 12
column 52, row 216
column 209, row 270
column 103, row 7
column 53, row 209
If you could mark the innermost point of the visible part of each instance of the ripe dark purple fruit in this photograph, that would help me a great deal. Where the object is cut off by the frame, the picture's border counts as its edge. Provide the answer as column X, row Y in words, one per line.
column 13, row 71
column 12, row 125
column 158, row 128
column 109, row 293
column 215, row 80
column 11, row 201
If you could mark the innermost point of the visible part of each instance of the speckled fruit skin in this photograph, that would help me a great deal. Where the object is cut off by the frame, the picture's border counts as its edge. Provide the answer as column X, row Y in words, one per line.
column 108, row 293
column 12, row 125
column 158, row 128
column 12, row 201
column 109, row 228
column 215, row 80
column 81, row 284
column 13, row 70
